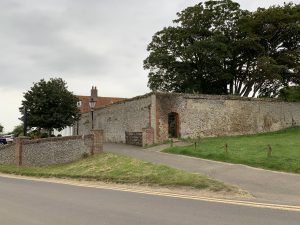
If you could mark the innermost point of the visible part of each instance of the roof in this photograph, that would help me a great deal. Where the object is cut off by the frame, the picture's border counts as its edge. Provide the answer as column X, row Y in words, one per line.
column 100, row 102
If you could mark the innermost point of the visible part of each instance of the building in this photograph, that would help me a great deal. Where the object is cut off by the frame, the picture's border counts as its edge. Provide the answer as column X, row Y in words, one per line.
column 155, row 117
column 100, row 101
column 84, row 107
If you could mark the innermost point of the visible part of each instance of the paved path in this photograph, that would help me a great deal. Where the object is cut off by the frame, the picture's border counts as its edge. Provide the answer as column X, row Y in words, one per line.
column 25, row 202
column 265, row 185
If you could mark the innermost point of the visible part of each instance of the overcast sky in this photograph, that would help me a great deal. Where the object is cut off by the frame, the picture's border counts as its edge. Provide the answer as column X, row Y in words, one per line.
column 86, row 42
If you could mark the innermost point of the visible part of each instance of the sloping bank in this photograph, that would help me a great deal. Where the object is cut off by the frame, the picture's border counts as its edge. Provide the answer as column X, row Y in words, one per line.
column 114, row 168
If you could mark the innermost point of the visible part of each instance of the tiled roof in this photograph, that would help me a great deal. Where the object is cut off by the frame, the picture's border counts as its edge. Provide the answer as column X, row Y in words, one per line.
column 100, row 102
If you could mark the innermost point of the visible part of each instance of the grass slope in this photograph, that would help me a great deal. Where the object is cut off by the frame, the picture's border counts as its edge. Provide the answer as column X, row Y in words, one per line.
column 121, row 169
column 251, row 150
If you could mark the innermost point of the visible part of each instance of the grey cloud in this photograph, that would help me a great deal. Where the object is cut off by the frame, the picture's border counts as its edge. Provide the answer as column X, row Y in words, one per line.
column 80, row 38
column 86, row 42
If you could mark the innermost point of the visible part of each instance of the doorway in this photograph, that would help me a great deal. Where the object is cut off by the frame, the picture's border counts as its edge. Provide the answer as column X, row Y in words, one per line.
column 173, row 125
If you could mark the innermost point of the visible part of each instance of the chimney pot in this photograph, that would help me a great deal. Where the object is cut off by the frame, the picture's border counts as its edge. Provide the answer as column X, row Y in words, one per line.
column 94, row 93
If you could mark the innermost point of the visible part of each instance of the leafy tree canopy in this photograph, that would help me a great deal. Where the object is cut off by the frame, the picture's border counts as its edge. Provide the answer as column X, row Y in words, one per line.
column 291, row 94
column 18, row 130
column 50, row 105
column 1, row 128
column 217, row 48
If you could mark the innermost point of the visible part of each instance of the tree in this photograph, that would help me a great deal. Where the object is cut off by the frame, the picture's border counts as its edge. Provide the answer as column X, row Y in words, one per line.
column 268, row 54
column 1, row 129
column 291, row 94
column 218, row 48
column 18, row 130
column 50, row 105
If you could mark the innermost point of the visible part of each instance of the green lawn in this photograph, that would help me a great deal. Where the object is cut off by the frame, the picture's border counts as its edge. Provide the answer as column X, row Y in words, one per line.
column 251, row 150
column 109, row 167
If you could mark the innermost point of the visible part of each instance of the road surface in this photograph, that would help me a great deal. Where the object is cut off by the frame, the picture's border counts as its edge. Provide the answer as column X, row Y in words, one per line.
column 264, row 185
column 27, row 202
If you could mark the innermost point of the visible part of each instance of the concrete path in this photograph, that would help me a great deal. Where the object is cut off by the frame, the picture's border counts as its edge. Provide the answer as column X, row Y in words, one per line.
column 264, row 185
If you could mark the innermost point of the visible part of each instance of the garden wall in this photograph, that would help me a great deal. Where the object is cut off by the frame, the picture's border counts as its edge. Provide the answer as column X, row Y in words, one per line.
column 212, row 115
column 127, row 116
column 48, row 151
column 8, row 154
column 196, row 116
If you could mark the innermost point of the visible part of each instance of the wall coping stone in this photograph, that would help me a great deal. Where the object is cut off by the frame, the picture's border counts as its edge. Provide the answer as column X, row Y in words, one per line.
column 195, row 96
column 65, row 138
column 219, row 97
column 124, row 101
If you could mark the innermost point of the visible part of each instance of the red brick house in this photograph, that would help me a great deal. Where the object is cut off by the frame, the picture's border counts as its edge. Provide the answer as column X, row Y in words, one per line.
column 85, row 108
column 100, row 101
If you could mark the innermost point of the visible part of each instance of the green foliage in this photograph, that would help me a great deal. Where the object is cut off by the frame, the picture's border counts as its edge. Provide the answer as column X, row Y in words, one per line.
column 50, row 105
column 291, row 94
column 276, row 34
column 253, row 150
column 1, row 128
column 18, row 130
column 216, row 44
column 38, row 133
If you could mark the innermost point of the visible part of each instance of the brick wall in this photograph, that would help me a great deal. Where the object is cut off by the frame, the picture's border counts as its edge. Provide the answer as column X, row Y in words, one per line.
column 147, row 136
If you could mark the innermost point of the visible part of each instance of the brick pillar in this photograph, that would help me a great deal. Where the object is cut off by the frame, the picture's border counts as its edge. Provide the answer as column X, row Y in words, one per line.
column 18, row 151
column 97, row 146
column 148, row 136
column 19, row 146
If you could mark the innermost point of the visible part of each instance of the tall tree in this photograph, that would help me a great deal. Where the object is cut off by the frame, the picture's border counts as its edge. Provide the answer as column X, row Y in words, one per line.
column 218, row 48
column 267, row 51
column 50, row 105
column 291, row 94
column 192, row 56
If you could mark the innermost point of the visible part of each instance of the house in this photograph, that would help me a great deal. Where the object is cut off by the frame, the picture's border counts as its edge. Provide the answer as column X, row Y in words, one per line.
column 84, row 107
column 100, row 101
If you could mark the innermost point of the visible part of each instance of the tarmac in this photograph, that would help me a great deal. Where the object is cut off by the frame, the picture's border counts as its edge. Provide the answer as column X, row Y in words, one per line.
column 264, row 185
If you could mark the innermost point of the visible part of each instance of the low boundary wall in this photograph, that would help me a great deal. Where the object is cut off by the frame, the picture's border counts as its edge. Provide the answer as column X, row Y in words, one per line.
column 143, row 138
column 134, row 138
column 48, row 151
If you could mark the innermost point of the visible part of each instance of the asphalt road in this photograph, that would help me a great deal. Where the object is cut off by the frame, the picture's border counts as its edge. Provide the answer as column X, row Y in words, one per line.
column 24, row 202
column 264, row 185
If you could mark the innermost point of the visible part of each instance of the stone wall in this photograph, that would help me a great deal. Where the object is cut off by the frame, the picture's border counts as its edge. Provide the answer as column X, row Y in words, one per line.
column 205, row 115
column 134, row 138
column 8, row 154
column 50, row 151
column 196, row 115
column 128, row 116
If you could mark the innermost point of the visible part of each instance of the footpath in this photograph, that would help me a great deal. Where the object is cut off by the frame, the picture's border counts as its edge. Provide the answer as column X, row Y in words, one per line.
column 265, row 185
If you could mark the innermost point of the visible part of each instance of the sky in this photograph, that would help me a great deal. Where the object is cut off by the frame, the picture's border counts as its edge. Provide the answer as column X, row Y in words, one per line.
column 85, row 42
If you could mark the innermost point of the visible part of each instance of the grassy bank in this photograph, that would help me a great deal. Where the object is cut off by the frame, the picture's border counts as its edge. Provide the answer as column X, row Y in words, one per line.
column 120, row 169
column 253, row 150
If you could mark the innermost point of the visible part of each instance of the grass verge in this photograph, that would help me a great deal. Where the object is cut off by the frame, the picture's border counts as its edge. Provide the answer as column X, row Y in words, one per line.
column 109, row 167
column 251, row 150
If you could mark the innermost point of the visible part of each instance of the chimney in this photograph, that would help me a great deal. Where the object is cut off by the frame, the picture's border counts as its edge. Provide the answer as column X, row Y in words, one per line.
column 94, row 93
